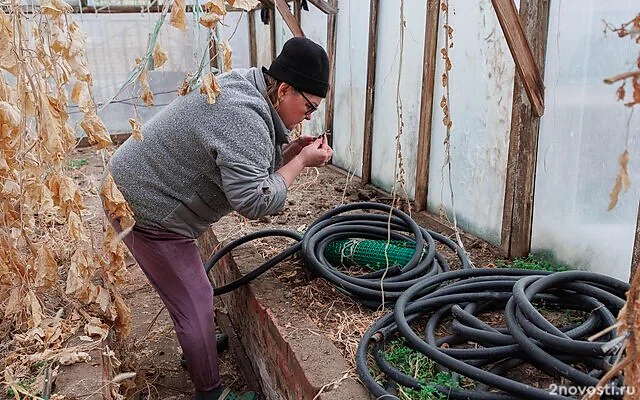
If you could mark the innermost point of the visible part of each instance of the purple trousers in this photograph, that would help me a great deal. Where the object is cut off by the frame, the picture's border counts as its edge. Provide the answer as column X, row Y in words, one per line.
column 173, row 265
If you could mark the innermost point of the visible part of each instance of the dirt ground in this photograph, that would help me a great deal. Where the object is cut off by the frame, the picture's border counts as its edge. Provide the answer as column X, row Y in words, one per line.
column 152, row 350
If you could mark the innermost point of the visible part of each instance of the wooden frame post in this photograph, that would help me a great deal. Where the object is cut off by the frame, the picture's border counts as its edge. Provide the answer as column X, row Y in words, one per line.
column 332, row 20
column 426, row 103
column 289, row 18
column 296, row 12
column 272, row 32
column 635, row 257
column 517, row 217
column 526, row 64
column 370, row 92
column 253, row 45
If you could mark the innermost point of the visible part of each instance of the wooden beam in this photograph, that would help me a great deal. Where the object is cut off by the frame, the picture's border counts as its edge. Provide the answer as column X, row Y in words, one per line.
column 426, row 103
column 517, row 216
column 635, row 257
column 289, row 19
column 322, row 5
column 213, row 51
column 296, row 11
column 332, row 20
column 325, row 6
column 370, row 91
column 272, row 33
column 253, row 45
column 526, row 65
column 116, row 9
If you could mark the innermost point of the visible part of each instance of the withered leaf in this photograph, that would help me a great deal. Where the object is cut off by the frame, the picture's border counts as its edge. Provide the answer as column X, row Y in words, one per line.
column 55, row 8
column 123, row 322
column 210, row 87
column 147, row 94
column 9, row 120
column 76, row 228
column 72, row 356
column 225, row 48
column 115, row 203
column 8, row 60
column 47, row 268
column 209, row 20
column 246, row 5
column 35, row 309
column 177, row 18
column 215, row 6
column 135, row 129
column 622, row 181
column 96, row 130
column 75, row 53
column 159, row 56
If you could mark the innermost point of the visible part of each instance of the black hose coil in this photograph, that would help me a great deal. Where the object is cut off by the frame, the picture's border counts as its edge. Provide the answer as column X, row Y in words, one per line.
column 528, row 337
column 371, row 289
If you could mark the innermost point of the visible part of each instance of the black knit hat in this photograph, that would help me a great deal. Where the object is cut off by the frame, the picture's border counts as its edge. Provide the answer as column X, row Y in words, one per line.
column 302, row 64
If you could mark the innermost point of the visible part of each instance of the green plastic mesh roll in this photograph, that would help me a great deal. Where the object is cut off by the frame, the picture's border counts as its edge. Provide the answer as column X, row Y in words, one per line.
column 370, row 254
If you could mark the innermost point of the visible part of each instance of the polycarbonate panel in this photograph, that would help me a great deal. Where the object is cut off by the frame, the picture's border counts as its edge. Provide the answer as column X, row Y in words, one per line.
column 388, row 98
column 481, row 93
column 350, row 84
column 583, row 132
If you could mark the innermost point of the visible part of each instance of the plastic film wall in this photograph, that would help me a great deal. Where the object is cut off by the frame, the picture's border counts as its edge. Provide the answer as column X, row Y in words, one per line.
column 481, row 93
column 114, row 41
column 352, row 50
column 398, row 91
column 583, row 132
column 263, row 41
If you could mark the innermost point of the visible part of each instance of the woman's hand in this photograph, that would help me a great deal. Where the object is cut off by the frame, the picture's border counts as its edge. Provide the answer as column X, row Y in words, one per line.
column 317, row 153
column 293, row 149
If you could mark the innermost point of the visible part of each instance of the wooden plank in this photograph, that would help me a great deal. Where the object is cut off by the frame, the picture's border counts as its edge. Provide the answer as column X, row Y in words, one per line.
column 635, row 257
column 332, row 20
column 296, row 11
column 528, row 70
column 517, row 217
column 272, row 32
column 253, row 45
column 116, row 9
column 426, row 103
column 289, row 19
column 325, row 6
column 370, row 93
column 213, row 51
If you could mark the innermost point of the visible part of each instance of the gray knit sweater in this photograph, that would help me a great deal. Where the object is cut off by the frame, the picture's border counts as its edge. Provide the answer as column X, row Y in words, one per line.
column 199, row 161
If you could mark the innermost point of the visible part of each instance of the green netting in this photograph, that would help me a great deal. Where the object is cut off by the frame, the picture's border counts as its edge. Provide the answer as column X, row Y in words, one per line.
column 369, row 254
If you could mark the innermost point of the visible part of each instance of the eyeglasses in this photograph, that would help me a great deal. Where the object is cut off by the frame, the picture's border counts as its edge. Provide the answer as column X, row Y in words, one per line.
column 310, row 107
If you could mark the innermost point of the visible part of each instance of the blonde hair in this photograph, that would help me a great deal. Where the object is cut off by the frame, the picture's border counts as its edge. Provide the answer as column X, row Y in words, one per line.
column 272, row 88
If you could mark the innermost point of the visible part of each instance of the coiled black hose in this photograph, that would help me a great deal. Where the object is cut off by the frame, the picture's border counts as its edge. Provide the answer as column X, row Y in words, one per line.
column 370, row 289
column 528, row 337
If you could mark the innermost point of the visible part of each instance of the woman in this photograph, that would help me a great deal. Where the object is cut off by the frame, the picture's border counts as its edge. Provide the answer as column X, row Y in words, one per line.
column 200, row 161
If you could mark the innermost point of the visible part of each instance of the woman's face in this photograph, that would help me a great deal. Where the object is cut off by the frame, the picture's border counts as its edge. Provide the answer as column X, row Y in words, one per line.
column 295, row 106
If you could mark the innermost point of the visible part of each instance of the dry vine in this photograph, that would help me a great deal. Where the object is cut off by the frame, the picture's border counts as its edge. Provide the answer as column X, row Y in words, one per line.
column 55, row 280
column 629, row 29
column 446, row 120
